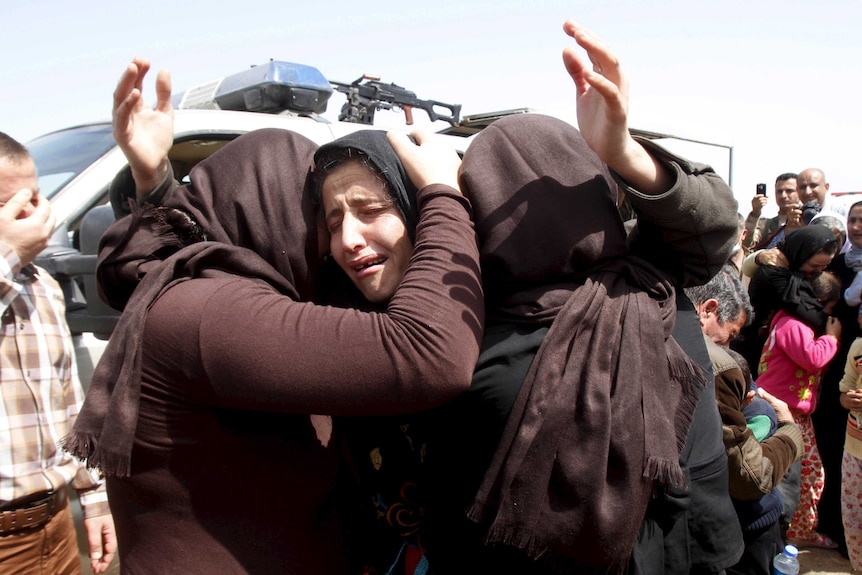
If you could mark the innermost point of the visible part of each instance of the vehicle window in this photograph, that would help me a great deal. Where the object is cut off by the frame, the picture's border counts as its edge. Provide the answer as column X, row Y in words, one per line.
column 60, row 156
column 188, row 152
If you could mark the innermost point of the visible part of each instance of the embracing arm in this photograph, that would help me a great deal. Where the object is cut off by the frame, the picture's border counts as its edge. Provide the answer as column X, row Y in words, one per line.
column 257, row 349
column 755, row 468
column 798, row 342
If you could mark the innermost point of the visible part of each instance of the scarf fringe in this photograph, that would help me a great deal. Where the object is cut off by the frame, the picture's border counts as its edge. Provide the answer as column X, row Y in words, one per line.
column 85, row 446
column 515, row 537
column 80, row 445
column 692, row 380
column 664, row 472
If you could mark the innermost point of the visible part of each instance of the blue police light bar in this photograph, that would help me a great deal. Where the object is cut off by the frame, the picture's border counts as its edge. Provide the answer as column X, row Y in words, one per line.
column 271, row 88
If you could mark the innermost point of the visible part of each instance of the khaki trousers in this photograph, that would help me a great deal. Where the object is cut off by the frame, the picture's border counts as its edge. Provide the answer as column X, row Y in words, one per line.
column 51, row 549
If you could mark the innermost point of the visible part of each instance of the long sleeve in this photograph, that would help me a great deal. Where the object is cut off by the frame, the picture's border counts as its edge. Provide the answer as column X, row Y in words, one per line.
column 10, row 265
column 122, row 189
column 853, row 293
column 754, row 227
column 851, row 376
column 755, row 468
column 798, row 342
column 689, row 231
column 40, row 394
column 246, row 346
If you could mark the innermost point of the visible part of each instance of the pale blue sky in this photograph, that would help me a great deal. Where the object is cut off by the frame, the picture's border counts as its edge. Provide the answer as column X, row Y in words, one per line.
column 778, row 80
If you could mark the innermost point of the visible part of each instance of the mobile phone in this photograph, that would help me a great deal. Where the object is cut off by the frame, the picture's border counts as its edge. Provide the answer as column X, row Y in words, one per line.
column 761, row 189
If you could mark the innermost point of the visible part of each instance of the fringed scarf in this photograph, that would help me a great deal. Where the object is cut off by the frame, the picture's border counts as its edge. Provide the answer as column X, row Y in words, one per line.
column 604, row 411
column 249, row 199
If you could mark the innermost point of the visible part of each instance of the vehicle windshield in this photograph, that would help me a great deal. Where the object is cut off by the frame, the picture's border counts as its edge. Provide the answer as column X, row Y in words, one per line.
column 60, row 156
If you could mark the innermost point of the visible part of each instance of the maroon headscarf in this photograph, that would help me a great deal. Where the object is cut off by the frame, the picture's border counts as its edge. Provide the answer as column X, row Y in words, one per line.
column 248, row 201
column 605, row 408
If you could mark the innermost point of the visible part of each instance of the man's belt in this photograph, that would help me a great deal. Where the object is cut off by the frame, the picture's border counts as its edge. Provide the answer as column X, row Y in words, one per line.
column 32, row 511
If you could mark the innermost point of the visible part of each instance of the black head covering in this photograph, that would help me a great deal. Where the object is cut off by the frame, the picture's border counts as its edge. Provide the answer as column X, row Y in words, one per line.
column 334, row 287
column 606, row 406
column 374, row 145
column 249, row 199
column 800, row 245
column 790, row 289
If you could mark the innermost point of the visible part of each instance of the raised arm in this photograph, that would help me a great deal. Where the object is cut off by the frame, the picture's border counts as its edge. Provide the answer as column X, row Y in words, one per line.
column 144, row 134
column 603, row 101
column 687, row 221
column 282, row 355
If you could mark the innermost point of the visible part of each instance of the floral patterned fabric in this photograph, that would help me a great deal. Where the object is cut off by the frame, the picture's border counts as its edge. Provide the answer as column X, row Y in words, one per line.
column 383, row 505
column 804, row 522
column 851, row 508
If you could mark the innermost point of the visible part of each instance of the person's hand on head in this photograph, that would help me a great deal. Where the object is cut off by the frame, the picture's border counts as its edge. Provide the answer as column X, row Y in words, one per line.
column 27, row 235
column 602, row 102
column 144, row 134
column 771, row 257
column 757, row 204
column 428, row 160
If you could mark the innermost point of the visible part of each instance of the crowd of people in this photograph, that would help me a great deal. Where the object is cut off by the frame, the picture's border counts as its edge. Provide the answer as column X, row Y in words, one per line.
column 801, row 270
column 377, row 357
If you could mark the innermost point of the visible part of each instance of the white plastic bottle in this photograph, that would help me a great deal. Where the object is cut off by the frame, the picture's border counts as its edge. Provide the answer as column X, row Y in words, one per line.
column 786, row 563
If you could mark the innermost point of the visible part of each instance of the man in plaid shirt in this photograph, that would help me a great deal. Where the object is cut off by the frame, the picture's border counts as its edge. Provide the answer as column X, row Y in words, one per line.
column 40, row 395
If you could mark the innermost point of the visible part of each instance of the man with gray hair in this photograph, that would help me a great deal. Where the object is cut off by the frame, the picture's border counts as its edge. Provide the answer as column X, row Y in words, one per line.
column 758, row 458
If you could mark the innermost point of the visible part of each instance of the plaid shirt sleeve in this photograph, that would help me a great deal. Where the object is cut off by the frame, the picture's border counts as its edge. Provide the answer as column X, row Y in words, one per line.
column 40, row 394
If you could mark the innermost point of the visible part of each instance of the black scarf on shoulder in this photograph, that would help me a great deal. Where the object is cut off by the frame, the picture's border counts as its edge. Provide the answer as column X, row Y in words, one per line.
column 249, row 200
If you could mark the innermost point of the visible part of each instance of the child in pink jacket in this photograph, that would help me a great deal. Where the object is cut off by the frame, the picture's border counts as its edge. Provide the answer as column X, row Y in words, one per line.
column 790, row 366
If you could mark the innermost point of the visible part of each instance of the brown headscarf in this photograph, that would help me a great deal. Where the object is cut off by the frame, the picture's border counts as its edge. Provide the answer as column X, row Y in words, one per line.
column 248, row 200
column 606, row 405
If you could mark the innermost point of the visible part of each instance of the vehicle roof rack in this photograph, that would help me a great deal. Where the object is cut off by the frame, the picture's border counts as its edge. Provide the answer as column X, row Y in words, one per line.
column 475, row 123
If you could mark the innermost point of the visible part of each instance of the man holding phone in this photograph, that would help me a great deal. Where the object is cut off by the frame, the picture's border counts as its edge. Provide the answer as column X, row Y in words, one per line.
column 766, row 232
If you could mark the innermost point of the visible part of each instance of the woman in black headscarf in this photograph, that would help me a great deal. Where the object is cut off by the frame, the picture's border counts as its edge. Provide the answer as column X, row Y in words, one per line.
column 808, row 251
column 373, row 219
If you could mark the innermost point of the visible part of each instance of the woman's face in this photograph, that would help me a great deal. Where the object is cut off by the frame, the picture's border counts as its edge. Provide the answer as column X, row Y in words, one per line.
column 368, row 238
column 854, row 226
column 816, row 263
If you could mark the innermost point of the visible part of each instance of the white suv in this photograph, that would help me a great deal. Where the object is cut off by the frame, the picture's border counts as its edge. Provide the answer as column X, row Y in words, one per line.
column 76, row 165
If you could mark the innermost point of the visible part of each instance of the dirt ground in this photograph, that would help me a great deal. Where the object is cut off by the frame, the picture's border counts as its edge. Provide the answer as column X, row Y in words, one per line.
column 823, row 562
